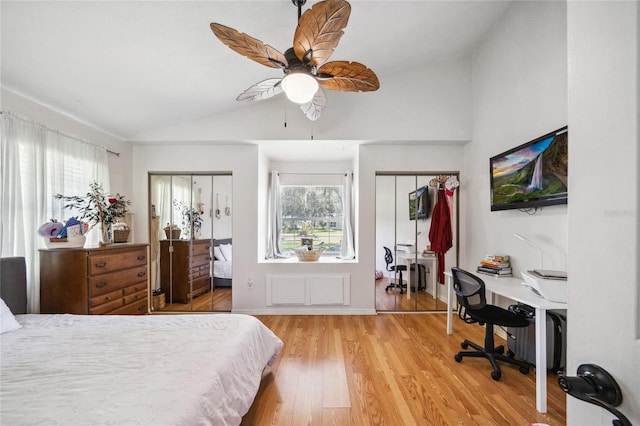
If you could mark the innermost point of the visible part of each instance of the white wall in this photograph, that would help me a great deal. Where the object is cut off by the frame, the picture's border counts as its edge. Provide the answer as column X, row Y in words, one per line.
column 519, row 93
column 426, row 103
column 120, row 166
column 604, row 219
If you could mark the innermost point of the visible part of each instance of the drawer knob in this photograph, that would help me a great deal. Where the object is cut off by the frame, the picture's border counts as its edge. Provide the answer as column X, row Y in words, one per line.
column 101, row 284
column 142, row 257
column 142, row 274
column 101, row 264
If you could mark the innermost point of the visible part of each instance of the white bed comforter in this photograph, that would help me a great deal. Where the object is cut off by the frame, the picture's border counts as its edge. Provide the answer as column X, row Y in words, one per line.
column 132, row 370
column 222, row 269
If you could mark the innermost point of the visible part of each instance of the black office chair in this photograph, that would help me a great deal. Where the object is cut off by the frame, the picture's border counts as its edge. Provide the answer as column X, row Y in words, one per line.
column 388, row 258
column 472, row 308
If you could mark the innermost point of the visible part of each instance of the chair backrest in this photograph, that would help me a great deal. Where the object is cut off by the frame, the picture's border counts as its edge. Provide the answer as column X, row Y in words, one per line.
column 470, row 289
column 388, row 257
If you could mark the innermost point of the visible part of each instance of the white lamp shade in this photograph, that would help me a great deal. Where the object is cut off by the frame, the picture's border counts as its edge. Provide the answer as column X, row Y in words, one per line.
column 299, row 87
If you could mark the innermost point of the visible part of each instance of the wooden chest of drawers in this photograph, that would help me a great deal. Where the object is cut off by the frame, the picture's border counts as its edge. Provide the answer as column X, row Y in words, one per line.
column 185, row 269
column 96, row 281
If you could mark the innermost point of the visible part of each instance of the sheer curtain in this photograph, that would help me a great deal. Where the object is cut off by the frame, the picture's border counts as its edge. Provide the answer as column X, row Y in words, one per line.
column 347, row 249
column 274, row 225
column 36, row 164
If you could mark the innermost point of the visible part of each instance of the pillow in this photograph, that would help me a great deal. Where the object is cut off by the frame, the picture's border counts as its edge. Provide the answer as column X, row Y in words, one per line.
column 217, row 253
column 226, row 251
column 7, row 320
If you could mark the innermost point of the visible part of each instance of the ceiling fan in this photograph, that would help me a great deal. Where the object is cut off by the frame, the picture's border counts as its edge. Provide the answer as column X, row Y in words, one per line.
column 306, row 71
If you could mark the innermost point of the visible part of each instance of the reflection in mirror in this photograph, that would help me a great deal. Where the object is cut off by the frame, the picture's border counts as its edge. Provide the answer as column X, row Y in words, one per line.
column 406, row 268
column 188, row 271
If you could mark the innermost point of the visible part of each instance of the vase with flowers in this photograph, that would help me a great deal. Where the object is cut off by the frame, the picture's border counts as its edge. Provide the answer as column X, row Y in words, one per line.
column 98, row 209
column 191, row 219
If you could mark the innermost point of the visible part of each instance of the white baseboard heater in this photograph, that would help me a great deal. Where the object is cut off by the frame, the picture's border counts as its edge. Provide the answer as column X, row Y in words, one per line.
column 308, row 289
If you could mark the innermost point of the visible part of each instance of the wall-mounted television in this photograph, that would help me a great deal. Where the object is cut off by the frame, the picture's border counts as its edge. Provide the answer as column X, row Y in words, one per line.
column 531, row 175
column 419, row 203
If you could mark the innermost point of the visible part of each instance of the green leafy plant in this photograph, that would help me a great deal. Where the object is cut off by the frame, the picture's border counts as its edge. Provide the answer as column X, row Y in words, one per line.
column 96, row 206
column 191, row 219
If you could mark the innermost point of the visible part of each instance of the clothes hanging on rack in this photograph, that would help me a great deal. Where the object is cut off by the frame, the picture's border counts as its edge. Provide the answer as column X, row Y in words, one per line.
column 449, row 187
column 440, row 233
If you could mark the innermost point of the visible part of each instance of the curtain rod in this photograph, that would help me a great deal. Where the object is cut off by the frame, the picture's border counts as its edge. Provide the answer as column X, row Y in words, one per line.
column 26, row 120
column 313, row 174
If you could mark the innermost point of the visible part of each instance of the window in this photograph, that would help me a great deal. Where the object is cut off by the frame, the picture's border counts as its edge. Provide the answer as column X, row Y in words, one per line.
column 312, row 211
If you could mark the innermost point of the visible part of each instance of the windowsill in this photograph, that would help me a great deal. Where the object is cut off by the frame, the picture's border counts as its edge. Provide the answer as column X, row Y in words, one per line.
column 323, row 259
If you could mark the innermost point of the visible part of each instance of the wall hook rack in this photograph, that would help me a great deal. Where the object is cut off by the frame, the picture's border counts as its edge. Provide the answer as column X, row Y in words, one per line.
column 595, row 385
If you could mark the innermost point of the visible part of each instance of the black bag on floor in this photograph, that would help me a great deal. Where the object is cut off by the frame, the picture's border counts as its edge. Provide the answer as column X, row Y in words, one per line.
column 522, row 341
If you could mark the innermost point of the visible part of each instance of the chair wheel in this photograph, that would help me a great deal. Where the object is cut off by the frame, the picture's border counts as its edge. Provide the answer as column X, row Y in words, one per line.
column 499, row 349
column 495, row 375
column 524, row 370
column 458, row 357
column 464, row 345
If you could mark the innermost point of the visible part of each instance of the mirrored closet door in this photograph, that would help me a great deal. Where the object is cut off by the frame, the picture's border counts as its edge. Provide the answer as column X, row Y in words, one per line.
column 191, row 241
column 406, row 265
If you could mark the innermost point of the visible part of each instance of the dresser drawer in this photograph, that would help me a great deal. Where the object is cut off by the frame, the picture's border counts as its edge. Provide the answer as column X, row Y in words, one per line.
column 106, row 283
column 109, row 262
column 107, row 308
column 135, row 288
column 96, row 301
column 201, row 259
column 130, row 298
column 199, row 271
column 201, row 248
column 137, row 308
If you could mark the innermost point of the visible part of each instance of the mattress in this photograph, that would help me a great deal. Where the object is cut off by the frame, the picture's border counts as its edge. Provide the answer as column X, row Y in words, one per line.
column 134, row 370
column 222, row 269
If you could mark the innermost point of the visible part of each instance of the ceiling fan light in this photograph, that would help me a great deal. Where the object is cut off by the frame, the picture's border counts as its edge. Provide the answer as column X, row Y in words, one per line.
column 299, row 87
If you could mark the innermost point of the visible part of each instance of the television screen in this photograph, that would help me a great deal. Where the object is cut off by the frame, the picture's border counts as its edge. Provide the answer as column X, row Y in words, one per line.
column 419, row 203
column 531, row 175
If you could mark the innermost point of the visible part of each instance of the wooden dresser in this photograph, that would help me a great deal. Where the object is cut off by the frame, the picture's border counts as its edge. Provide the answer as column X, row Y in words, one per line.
column 189, row 261
column 103, row 280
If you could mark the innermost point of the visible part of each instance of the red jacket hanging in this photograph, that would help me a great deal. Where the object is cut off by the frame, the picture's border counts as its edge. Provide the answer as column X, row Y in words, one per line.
column 440, row 234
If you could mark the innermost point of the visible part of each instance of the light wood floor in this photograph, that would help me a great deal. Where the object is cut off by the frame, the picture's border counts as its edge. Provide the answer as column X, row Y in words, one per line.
column 390, row 369
column 217, row 301
column 393, row 300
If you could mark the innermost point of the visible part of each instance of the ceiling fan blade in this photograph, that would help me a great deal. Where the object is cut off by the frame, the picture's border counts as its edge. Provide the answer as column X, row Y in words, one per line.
column 264, row 90
column 314, row 108
column 250, row 47
column 347, row 77
column 319, row 30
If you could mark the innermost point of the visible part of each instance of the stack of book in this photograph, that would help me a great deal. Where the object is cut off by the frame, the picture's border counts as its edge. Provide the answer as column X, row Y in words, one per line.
column 495, row 265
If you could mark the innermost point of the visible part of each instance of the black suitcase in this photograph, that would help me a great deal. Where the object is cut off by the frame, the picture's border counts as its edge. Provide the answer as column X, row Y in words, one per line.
column 521, row 341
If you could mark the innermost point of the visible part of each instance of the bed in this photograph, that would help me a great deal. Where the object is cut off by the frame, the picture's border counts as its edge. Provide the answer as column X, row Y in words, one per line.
column 140, row 370
column 222, row 262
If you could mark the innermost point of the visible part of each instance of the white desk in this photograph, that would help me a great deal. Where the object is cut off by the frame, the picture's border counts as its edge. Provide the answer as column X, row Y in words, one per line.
column 512, row 288
column 429, row 261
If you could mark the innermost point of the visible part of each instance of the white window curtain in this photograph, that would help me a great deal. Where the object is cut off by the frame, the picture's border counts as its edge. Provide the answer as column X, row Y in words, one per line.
column 274, row 225
column 36, row 164
column 347, row 249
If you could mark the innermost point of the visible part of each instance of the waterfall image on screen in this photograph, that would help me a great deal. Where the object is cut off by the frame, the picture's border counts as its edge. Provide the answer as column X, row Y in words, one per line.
column 531, row 175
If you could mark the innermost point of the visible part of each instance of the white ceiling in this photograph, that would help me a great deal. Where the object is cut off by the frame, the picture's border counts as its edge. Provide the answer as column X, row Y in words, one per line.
column 130, row 67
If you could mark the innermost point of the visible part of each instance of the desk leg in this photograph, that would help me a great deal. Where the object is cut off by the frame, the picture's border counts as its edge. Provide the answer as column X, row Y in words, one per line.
column 449, row 304
column 541, row 360
column 408, row 263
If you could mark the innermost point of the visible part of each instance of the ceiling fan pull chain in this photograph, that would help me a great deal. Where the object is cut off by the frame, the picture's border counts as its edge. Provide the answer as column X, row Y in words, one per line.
column 284, row 106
